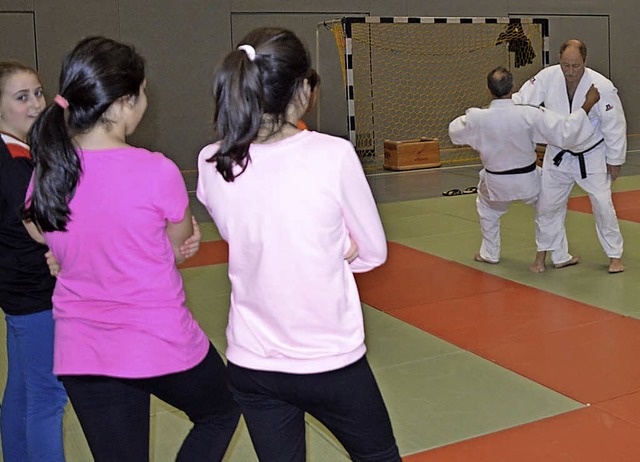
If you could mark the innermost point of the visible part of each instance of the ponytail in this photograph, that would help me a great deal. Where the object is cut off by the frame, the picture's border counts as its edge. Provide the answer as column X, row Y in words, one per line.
column 97, row 72
column 57, row 170
column 252, row 88
column 238, row 112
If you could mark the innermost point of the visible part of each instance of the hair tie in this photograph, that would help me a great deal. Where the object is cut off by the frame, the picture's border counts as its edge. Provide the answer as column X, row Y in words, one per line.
column 61, row 101
column 249, row 50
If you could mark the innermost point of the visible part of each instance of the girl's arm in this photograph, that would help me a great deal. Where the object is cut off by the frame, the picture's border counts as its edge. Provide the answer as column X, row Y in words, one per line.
column 187, row 250
column 368, row 246
column 33, row 231
column 191, row 246
column 178, row 233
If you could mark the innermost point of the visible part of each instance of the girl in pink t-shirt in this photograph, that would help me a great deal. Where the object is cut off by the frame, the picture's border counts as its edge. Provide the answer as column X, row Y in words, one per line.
column 299, row 217
column 114, row 217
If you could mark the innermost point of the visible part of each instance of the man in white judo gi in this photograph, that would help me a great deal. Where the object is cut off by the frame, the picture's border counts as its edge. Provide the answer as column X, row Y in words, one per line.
column 562, row 88
column 505, row 135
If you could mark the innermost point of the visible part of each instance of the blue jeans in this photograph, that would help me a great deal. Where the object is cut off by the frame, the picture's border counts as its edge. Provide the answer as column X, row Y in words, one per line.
column 34, row 399
column 347, row 401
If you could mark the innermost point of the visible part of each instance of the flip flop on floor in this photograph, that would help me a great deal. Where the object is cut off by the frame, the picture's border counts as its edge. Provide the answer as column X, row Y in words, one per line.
column 470, row 190
column 452, row 192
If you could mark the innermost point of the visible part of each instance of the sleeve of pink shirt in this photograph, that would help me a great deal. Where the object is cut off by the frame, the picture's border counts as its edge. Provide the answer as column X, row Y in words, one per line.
column 361, row 216
column 172, row 198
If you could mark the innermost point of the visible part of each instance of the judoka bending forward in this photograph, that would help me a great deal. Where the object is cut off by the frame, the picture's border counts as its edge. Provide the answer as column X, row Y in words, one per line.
column 562, row 88
column 505, row 135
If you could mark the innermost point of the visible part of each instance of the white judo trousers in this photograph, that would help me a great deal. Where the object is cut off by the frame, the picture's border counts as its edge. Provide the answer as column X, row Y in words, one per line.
column 607, row 118
column 489, row 214
column 505, row 135
column 551, row 212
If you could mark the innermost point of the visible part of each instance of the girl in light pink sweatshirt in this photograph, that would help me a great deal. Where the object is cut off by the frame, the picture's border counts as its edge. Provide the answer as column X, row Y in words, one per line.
column 299, row 217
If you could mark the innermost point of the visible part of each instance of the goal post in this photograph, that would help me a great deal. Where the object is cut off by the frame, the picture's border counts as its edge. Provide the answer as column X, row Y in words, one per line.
column 408, row 77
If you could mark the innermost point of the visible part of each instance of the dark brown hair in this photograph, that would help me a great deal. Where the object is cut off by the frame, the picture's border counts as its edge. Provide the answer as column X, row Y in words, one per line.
column 247, row 89
column 96, row 73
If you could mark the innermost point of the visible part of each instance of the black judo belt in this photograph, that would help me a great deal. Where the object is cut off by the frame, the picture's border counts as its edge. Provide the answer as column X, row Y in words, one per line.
column 583, row 168
column 514, row 171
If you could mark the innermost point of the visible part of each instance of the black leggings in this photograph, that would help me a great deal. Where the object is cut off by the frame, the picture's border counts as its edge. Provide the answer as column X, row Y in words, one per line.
column 347, row 401
column 114, row 412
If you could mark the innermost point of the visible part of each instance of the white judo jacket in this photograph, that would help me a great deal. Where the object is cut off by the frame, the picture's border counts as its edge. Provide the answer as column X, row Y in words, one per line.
column 505, row 135
column 548, row 87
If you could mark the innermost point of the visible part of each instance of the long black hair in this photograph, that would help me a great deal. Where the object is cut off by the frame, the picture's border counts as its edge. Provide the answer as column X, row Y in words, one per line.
column 248, row 87
column 96, row 73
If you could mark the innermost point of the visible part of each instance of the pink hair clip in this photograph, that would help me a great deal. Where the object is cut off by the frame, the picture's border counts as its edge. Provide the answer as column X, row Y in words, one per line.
column 61, row 101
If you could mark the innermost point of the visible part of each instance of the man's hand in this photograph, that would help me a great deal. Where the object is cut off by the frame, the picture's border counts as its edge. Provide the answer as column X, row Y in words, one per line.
column 52, row 263
column 593, row 96
column 192, row 244
column 614, row 171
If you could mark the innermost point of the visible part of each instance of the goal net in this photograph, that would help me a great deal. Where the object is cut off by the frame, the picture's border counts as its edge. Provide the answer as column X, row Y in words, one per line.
column 407, row 77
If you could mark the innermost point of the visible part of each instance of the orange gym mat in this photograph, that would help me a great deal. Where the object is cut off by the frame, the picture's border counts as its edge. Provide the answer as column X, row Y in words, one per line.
column 578, row 350
column 585, row 435
column 583, row 352
column 627, row 205
column 210, row 253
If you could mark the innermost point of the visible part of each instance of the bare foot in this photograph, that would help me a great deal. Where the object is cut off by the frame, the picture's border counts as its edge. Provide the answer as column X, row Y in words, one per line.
column 477, row 257
column 538, row 264
column 615, row 265
column 571, row 262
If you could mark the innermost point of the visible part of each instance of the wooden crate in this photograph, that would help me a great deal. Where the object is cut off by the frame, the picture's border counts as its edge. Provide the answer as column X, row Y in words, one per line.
column 540, row 149
column 412, row 154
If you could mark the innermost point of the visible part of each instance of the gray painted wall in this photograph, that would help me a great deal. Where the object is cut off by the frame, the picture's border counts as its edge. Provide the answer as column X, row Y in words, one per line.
column 183, row 40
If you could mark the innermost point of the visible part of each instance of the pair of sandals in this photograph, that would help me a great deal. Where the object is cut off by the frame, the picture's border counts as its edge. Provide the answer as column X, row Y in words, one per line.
column 459, row 192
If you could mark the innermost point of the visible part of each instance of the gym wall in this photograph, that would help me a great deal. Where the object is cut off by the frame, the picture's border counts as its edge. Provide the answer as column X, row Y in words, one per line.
column 183, row 40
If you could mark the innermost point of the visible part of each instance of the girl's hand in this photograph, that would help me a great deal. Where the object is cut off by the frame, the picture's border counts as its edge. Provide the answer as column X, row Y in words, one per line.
column 192, row 244
column 52, row 263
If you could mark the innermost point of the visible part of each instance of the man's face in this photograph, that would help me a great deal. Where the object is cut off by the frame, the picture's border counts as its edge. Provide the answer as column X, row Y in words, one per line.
column 572, row 64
